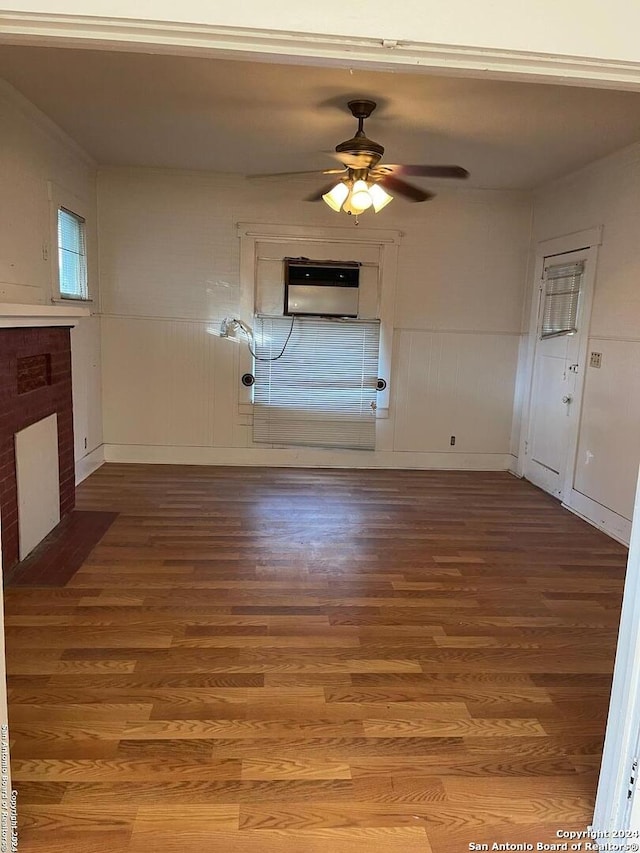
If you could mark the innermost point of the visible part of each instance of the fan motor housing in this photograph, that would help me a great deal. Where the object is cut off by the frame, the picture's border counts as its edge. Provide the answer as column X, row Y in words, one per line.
column 359, row 146
column 363, row 149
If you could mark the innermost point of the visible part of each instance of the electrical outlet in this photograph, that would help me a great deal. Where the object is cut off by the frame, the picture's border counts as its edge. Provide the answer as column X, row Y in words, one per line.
column 85, row 442
column 452, row 440
column 596, row 359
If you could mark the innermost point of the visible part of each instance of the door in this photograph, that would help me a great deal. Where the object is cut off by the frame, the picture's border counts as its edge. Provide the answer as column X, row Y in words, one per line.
column 554, row 404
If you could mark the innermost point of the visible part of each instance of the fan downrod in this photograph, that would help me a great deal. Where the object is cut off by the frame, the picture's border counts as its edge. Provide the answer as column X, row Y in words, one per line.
column 364, row 153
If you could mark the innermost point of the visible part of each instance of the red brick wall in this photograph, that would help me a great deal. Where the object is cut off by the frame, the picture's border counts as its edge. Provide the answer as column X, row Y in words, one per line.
column 18, row 411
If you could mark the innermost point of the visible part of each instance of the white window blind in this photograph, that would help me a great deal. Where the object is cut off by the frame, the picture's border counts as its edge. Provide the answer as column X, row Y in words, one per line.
column 561, row 298
column 72, row 255
column 322, row 390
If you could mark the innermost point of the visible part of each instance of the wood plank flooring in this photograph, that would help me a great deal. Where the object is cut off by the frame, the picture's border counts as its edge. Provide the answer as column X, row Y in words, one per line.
column 262, row 660
column 60, row 554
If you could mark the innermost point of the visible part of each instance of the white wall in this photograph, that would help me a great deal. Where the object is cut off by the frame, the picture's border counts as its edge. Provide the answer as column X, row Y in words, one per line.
column 606, row 193
column 87, row 395
column 169, row 261
column 574, row 28
column 33, row 153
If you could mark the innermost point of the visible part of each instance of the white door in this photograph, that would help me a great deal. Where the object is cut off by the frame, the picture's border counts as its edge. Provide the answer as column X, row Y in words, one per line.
column 554, row 405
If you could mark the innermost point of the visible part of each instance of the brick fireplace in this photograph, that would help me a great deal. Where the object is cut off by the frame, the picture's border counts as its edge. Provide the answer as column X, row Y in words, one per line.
column 35, row 382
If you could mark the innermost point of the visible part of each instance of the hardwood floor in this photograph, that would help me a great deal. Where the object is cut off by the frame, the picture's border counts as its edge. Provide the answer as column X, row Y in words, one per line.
column 258, row 660
column 60, row 554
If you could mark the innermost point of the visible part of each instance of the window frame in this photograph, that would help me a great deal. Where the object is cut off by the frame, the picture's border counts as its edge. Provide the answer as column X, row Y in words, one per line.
column 574, row 304
column 62, row 199
column 387, row 243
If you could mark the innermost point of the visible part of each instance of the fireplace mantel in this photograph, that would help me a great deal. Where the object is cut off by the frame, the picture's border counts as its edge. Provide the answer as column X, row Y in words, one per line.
column 14, row 316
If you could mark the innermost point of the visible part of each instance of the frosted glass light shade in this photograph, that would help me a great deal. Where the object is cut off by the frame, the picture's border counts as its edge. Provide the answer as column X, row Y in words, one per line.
column 360, row 197
column 347, row 207
column 380, row 197
column 336, row 197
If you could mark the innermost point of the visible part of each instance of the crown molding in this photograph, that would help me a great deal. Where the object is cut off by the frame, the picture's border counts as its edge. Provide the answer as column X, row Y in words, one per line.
column 82, row 31
column 617, row 161
column 36, row 117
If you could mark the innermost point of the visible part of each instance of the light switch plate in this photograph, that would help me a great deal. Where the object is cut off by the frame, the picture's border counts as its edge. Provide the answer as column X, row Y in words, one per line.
column 596, row 359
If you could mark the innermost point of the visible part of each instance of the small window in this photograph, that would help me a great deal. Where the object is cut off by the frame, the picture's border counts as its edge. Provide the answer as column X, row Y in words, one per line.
column 561, row 298
column 72, row 255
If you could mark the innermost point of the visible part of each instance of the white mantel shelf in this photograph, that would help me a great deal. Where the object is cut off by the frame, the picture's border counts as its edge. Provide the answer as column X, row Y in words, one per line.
column 14, row 316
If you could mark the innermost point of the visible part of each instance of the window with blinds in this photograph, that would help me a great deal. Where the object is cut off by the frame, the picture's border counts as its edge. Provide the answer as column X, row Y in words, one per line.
column 322, row 390
column 561, row 297
column 72, row 255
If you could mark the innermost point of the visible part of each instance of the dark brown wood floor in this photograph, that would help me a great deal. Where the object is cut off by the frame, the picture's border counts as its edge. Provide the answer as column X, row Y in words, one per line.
column 256, row 660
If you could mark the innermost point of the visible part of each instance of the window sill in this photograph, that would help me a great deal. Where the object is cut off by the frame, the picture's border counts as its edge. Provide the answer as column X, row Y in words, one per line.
column 71, row 300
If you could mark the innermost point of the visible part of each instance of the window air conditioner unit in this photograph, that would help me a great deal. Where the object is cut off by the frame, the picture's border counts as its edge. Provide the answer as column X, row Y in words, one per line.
column 321, row 288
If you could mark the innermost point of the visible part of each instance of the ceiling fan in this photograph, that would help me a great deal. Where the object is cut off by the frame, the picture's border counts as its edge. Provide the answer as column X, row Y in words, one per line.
column 363, row 181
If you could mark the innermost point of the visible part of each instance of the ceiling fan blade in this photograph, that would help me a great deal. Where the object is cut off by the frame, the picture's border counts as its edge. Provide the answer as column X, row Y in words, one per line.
column 395, row 185
column 276, row 175
column 317, row 195
column 428, row 171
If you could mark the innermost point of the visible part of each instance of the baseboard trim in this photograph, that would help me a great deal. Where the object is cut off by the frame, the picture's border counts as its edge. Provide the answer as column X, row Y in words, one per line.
column 513, row 467
column 89, row 463
column 305, row 457
column 614, row 525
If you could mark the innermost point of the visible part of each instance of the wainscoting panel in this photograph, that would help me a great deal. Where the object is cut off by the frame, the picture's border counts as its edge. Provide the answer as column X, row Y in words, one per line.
column 454, row 384
column 609, row 447
column 168, row 382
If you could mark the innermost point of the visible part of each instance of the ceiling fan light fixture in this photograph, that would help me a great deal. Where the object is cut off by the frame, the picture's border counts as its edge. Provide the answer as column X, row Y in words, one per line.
column 379, row 196
column 360, row 196
column 361, row 181
column 336, row 197
column 347, row 207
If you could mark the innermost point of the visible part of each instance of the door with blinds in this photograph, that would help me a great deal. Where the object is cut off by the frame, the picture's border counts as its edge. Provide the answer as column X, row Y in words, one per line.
column 315, row 382
column 554, row 406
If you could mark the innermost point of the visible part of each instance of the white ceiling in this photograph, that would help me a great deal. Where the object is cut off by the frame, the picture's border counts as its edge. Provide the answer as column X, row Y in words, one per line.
column 235, row 116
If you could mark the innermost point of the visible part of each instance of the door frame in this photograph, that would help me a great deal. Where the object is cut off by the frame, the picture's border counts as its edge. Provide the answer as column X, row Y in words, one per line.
column 621, row 746
column 587, row 241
